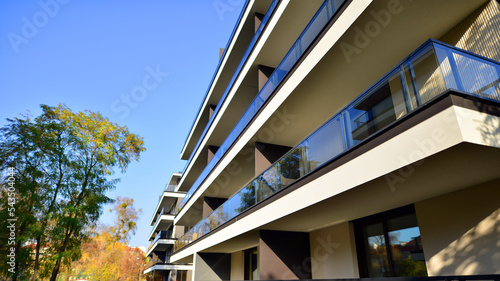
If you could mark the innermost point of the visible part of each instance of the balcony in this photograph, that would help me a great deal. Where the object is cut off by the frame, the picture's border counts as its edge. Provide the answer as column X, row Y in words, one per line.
column 326, row 12
column 163, row 241
column 170, row 187
column 429, row 72
column 161, row 262
column 168, row 198
column 160, row 266
column 164, row 220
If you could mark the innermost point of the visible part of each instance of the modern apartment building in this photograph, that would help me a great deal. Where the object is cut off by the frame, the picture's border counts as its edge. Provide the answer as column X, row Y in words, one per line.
column 163, row 236
column 347, row 139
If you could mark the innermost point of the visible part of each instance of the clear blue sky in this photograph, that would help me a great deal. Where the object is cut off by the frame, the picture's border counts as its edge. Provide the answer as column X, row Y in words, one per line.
column 98, row 55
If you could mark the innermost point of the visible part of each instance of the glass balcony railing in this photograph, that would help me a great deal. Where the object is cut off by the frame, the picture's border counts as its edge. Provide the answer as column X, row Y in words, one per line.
column 167, row 211
column 160, row 259
column 317, row 23
column 170, row 187
column 428, row 72
column 164, row 235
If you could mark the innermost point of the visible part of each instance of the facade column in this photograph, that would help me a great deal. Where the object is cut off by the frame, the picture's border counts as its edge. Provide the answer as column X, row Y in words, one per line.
column 264, row 74
column 266, row 154
column 258, row 20
column 211, row 152
column 212, row 266
column 284, row 255
column 210, row 204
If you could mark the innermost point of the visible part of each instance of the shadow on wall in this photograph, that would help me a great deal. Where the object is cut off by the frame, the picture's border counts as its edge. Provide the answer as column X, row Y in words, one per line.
column 490, row 130
column 473, row 252
column 483, row 24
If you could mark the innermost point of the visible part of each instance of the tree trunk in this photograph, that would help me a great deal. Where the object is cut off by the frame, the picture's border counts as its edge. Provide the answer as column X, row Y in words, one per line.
column 37, row 257
column 55, row 271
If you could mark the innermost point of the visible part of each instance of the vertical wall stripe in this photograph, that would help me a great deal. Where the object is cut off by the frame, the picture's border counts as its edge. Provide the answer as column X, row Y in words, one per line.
column 483, row 24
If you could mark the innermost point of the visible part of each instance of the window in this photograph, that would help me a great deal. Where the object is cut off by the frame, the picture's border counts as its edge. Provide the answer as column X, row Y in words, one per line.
column 396, row 230
column 251, row 265
column 181, row 275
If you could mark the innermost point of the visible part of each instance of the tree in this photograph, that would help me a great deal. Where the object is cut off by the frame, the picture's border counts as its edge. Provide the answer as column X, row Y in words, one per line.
column 126, row 217
column 107, row 256
column 63, row 162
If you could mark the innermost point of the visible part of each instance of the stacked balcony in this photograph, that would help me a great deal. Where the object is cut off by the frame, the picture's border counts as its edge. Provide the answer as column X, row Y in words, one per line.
column 431, row 71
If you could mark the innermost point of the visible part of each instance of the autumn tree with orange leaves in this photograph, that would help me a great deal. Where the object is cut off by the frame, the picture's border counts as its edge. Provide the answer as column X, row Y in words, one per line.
column 106, row 256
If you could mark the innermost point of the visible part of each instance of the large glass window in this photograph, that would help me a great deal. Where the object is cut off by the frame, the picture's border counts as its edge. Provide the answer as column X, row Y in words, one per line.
column 389, row 245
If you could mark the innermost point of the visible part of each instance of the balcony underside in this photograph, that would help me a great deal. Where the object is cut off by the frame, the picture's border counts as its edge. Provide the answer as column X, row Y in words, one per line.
column 163, row 223
column 161, row 245
column 168, row 267
column 167, row 199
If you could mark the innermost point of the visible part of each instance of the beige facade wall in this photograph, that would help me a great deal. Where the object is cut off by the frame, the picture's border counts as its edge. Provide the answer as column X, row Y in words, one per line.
column 461, row 231
column 483, row 24
column 237, row 266
column 333, row 254
column 203, row 271
column 178, row 231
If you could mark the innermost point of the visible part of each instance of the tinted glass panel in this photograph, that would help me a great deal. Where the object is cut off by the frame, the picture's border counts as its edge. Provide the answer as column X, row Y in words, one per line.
column 290, row 167
column 246, row 197
column 407, row 252
column 325, row 144
column 271, row 178
column 376, row 252
column 400, row 234
column 377, row 109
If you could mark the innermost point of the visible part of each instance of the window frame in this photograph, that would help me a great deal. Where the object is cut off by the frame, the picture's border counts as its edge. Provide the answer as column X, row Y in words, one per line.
column 359, row 238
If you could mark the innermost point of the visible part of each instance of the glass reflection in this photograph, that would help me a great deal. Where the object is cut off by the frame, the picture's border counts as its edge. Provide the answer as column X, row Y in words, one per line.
column 380, row 107
column 402, row 235
column 376, row 252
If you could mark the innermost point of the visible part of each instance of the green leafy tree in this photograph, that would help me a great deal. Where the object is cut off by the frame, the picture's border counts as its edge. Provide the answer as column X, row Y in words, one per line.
column 63, row 163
